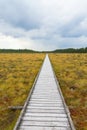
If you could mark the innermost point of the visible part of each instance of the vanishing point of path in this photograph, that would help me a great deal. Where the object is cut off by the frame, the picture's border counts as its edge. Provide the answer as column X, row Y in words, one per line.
column 45, row 109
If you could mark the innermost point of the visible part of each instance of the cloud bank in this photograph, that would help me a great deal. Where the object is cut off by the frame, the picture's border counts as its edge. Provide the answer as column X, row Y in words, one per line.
column 43, row 24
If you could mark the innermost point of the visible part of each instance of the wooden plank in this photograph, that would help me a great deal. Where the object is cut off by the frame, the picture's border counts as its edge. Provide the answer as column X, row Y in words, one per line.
column 50, row 99
column 41, row 99
column 55, row 96
column 45, row 108
column 46, row 115
column 46, row 94
column 46, row 111
column 48, row 124
column 56, row 119
column 45, row 102
column 46, row 105
column 43, row 128
column 15, row 107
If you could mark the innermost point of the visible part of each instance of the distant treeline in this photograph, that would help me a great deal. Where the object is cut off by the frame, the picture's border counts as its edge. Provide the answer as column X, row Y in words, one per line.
column 17, row 51
column 71, row 50
column 68, row 50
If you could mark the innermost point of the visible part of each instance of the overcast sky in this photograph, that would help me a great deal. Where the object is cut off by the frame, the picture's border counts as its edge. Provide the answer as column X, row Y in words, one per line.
column 43, row 24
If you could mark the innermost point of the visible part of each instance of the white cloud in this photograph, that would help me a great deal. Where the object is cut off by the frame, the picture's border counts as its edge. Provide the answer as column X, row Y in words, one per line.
column 43, row 24
column 10, row 42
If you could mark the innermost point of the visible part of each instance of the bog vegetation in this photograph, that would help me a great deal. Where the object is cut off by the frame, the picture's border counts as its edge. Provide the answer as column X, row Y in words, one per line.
column 71, row 71
column 17, row 74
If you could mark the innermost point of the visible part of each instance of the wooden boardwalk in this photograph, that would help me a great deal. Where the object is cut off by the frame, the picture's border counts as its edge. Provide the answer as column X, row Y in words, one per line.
column 45, row 108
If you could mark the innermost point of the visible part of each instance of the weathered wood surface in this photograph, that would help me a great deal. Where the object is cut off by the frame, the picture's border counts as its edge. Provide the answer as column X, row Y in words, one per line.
column 15, row 107
column 45, row 110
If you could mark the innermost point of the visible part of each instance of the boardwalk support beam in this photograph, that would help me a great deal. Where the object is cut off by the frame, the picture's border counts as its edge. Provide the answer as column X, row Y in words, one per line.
column 15, row 107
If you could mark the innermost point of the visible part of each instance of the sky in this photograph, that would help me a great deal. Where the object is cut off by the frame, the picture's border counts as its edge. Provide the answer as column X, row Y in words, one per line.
column 43, row 24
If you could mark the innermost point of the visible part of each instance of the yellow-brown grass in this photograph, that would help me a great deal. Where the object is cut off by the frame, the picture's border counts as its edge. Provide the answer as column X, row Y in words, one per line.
column 17, row 74
column 71, row 71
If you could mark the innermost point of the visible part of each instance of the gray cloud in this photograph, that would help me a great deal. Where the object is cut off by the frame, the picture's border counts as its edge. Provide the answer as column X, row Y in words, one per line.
column 44, row 24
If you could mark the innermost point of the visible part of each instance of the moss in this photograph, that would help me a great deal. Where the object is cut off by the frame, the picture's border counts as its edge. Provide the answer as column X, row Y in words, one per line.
column 17, row 74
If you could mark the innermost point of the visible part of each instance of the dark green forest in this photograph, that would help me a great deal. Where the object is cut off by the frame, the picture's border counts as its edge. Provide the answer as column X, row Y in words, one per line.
column 71, row 50
column 17, row 51
column 68, row 50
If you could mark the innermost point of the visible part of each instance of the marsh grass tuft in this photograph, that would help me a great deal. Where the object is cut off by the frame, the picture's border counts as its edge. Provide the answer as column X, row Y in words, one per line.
column 71, row 71
column 17, row 74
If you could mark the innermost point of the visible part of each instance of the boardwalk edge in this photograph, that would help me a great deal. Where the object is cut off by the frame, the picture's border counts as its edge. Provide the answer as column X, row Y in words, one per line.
column 66, row 107
column 27, row 100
